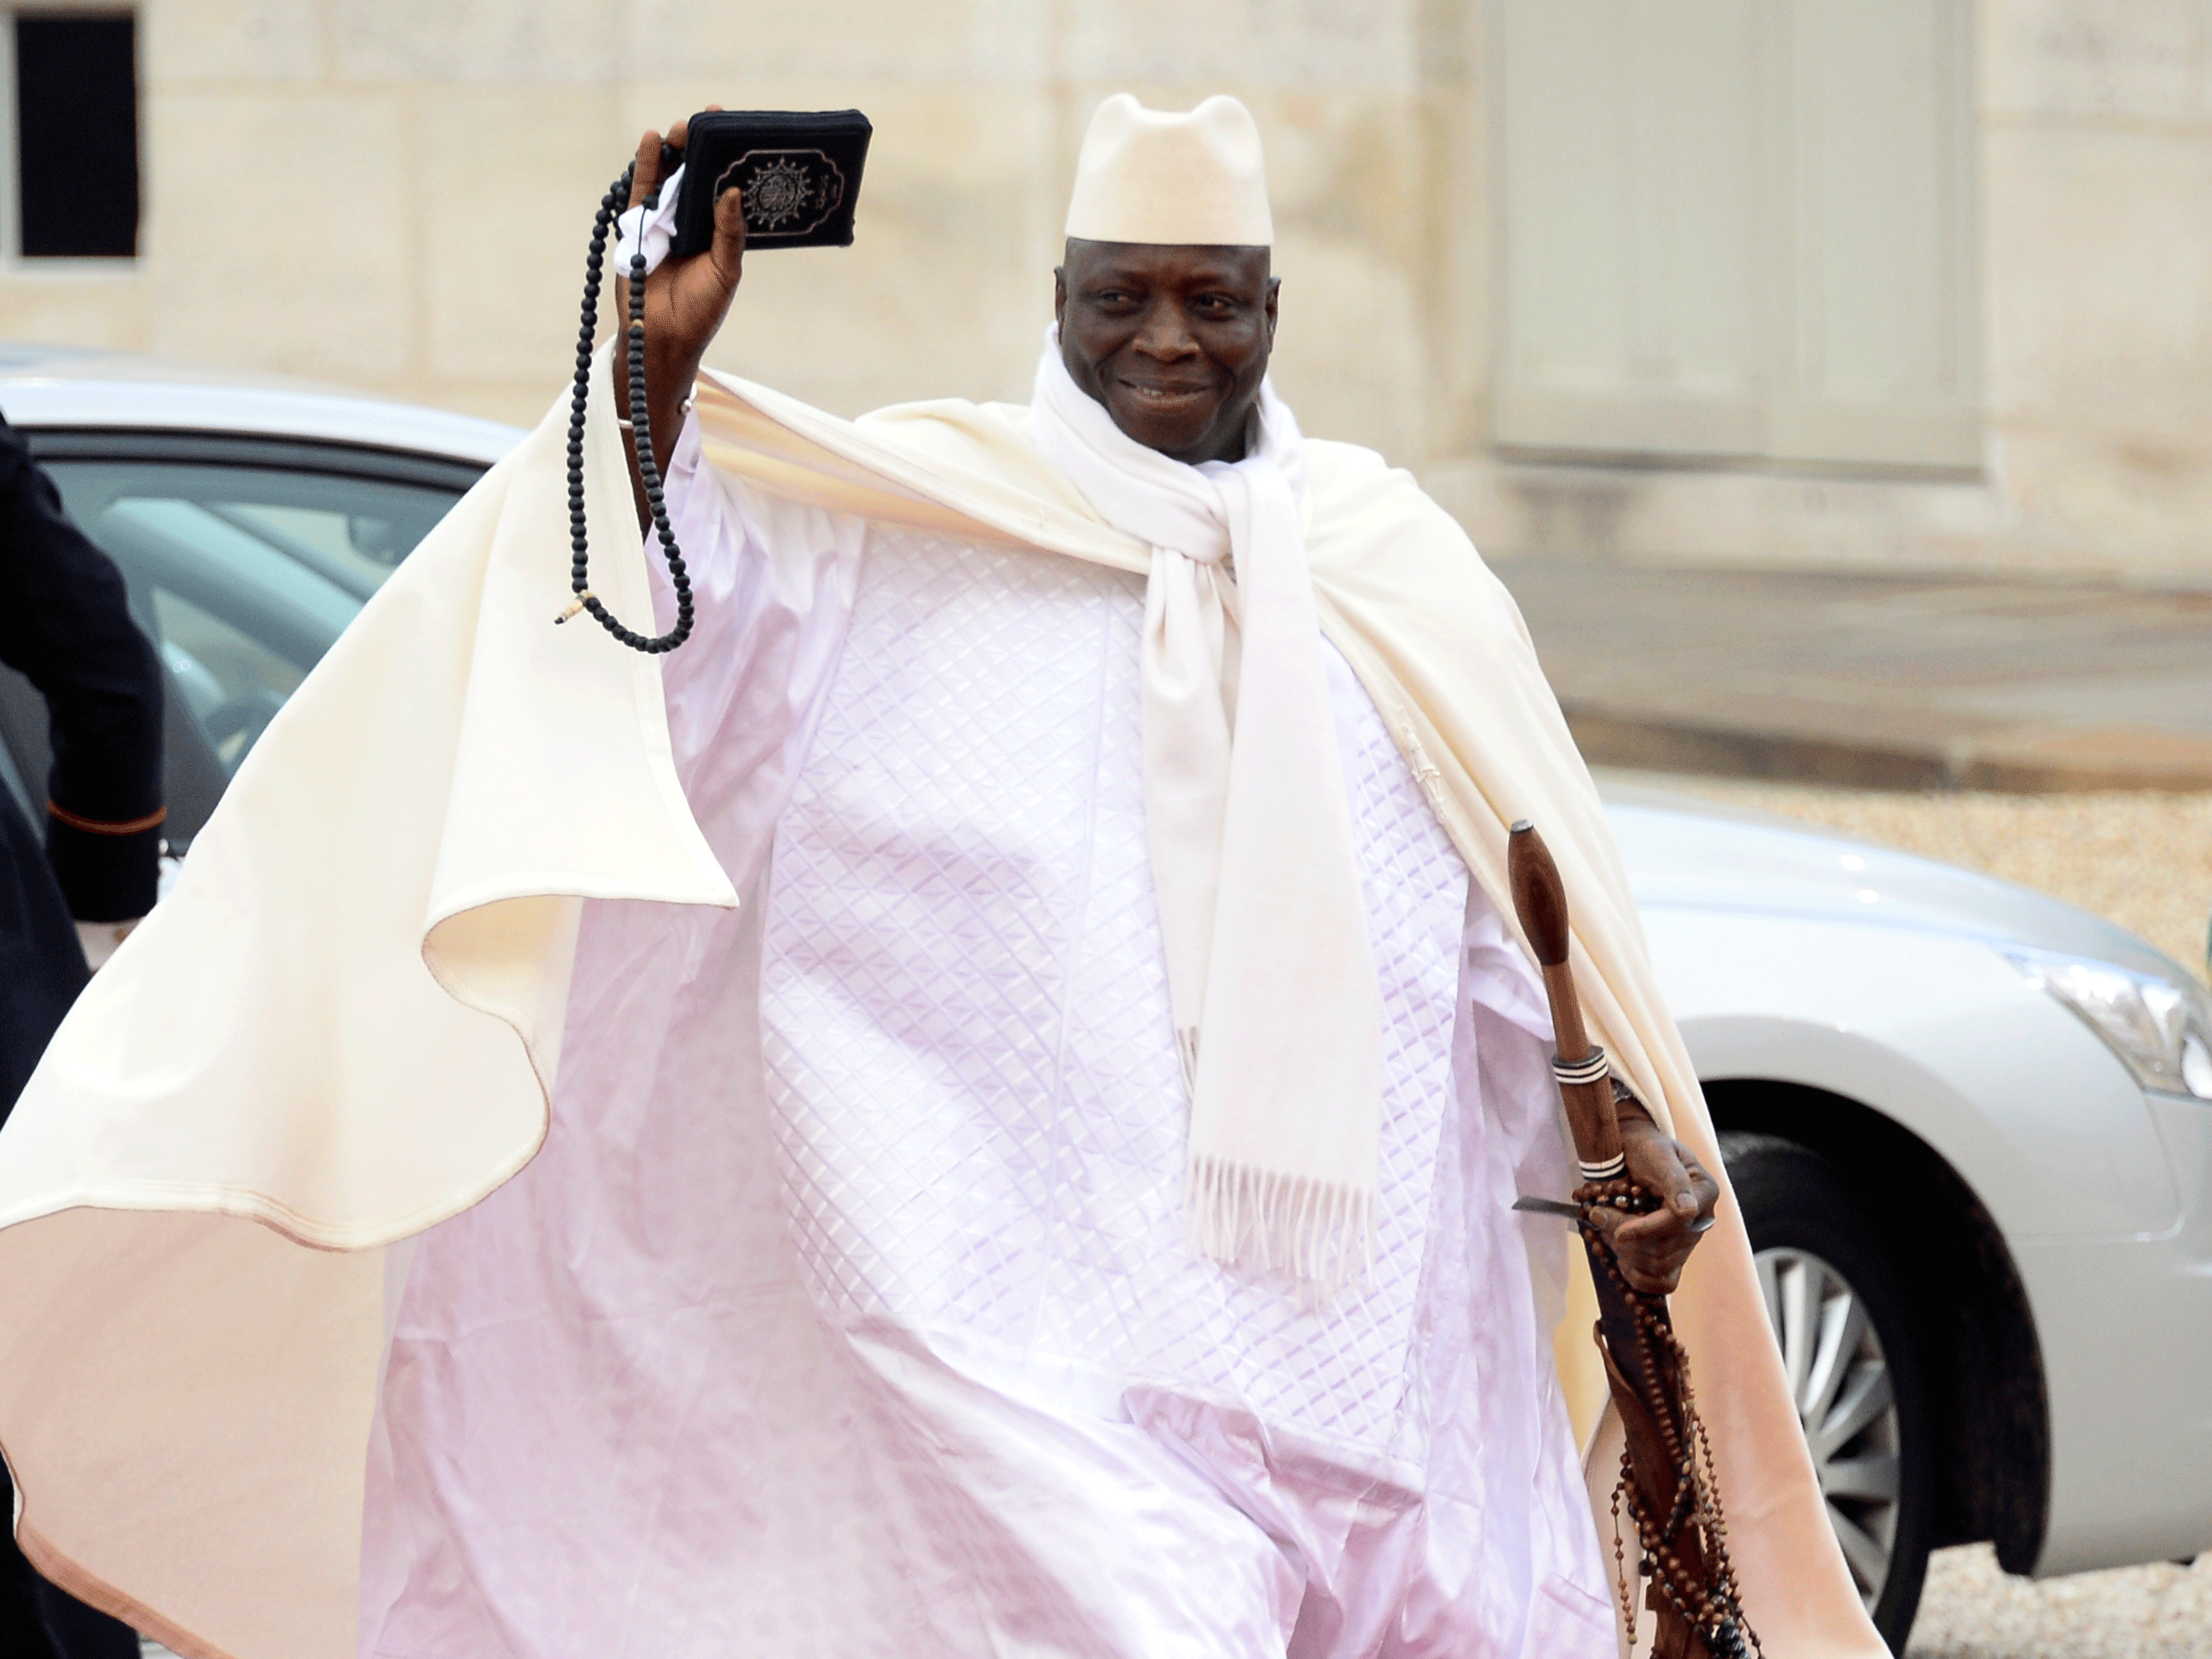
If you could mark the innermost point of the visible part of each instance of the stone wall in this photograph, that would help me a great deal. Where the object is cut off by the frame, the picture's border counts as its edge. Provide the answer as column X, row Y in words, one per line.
column 395, row 194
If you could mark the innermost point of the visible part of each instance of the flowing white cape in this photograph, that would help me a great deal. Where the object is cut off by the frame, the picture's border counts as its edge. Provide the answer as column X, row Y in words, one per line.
column 317, row 1031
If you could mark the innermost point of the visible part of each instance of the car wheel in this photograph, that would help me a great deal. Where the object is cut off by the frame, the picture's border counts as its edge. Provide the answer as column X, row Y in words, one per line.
column 1854, row 1376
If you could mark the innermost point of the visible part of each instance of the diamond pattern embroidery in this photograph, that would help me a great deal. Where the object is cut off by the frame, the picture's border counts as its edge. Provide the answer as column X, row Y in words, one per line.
column 978, row 1112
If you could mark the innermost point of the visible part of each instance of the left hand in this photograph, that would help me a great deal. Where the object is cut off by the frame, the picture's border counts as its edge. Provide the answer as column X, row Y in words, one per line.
column 1652, row 1248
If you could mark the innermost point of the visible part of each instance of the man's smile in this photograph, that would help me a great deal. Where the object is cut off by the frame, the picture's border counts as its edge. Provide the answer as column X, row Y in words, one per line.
column 1166, row 396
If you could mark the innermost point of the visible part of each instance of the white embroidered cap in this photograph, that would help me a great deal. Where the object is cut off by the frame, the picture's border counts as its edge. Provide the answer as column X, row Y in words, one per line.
column 1149, row 175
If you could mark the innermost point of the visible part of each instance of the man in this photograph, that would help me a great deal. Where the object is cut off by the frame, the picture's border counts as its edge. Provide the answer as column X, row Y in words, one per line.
column 955, row 727
column 1030, row 1095
column 67, row 896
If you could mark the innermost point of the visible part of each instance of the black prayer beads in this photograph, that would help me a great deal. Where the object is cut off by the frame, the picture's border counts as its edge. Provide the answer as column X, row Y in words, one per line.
column 641, row 426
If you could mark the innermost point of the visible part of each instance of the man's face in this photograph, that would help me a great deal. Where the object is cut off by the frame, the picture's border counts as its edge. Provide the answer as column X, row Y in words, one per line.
column 1173, row 341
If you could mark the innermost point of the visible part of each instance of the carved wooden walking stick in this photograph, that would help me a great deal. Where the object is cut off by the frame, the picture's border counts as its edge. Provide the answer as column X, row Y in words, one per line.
column 1667, row 1483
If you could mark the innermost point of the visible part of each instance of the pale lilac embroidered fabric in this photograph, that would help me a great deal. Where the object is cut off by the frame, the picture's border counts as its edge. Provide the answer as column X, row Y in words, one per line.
column 848, row 1310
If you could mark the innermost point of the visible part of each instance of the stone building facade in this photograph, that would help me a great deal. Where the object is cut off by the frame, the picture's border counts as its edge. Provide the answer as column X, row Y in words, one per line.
column 1924, row 282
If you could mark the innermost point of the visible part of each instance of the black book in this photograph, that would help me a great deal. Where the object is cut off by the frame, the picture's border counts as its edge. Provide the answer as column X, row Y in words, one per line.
column 800, row 173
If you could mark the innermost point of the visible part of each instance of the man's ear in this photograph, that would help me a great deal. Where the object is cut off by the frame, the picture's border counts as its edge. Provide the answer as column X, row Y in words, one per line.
column 1058, row 296
column 1274, row 288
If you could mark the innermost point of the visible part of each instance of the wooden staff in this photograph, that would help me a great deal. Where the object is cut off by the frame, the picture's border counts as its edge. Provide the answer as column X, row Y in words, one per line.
column 1667, row 1483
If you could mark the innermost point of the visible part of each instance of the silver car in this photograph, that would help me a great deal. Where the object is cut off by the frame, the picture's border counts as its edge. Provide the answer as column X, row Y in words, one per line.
column 1970, row 1127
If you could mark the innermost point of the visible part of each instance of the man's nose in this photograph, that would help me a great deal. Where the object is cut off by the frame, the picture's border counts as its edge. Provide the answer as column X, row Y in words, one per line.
column 1165, row 336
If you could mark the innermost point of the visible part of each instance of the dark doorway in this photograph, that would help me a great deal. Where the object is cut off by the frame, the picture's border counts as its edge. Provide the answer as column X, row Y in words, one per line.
column 77, row 136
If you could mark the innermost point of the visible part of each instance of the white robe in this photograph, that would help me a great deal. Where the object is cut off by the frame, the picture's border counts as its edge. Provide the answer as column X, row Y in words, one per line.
column 848, row 1309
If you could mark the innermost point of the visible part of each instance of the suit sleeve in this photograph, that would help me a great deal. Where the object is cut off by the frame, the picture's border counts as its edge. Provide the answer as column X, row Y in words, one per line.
column 65, row 624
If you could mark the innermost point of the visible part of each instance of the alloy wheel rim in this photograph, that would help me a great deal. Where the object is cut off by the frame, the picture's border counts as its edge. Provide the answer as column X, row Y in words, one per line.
column 1839, row 1381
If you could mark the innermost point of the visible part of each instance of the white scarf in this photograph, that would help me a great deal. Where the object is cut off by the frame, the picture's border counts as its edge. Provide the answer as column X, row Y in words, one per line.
column 1271, row 974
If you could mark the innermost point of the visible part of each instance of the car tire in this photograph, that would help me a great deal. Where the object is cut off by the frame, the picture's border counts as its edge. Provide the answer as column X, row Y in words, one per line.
column 1832, row 1298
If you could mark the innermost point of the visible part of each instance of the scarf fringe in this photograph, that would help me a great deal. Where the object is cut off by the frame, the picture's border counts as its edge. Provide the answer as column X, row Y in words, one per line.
column 1321, row 1233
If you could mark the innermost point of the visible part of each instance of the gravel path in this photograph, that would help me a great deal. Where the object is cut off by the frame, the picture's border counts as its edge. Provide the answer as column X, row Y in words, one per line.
column 2145, row 861
column 1973, row 1611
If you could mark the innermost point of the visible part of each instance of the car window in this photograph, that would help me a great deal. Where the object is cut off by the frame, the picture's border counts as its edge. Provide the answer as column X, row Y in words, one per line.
column 229, row 681
column 244, row 575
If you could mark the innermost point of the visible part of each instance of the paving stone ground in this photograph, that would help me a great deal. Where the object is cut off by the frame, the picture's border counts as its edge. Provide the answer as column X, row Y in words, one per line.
column 1877, row 679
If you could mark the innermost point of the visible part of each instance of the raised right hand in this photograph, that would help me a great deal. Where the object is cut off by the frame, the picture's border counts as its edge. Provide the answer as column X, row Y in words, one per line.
column 685, row 301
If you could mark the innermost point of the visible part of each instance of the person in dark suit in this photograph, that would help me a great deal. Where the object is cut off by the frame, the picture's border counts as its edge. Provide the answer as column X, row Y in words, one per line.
column 70, row 888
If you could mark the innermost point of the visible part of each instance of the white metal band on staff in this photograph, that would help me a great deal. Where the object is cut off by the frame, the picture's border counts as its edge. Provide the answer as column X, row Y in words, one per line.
column 1593, row 1068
